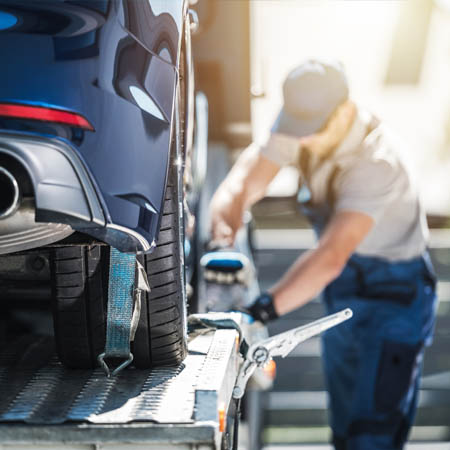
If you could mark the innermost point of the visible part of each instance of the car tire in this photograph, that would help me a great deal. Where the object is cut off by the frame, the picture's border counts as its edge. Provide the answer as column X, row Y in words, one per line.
column 80, row 293
column 161, row 335
column 79, row 297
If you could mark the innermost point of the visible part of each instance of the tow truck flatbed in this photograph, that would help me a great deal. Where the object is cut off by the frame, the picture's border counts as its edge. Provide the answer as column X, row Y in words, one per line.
column 44, row 404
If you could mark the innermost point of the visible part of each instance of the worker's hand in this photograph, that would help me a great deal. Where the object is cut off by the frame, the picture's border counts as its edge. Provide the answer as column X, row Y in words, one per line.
column 226, row 212
column 262, row 309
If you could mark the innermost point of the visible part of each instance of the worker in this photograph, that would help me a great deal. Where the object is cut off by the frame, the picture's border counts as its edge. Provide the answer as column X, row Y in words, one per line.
column 371, row 254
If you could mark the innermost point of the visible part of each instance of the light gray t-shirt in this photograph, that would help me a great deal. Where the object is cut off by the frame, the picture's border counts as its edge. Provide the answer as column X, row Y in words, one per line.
column 369, row 177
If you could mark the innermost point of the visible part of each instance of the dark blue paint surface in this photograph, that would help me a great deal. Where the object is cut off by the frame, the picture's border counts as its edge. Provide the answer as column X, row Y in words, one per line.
column 114, row 62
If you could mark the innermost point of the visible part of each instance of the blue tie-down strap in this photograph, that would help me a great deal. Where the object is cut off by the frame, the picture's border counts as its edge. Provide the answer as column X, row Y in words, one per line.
column 120, row 311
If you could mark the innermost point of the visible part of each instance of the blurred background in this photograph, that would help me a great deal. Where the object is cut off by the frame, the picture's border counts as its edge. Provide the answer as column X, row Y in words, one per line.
column 397, row 56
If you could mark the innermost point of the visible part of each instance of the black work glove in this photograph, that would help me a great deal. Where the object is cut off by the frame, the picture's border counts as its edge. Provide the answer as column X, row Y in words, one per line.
column 262, row 308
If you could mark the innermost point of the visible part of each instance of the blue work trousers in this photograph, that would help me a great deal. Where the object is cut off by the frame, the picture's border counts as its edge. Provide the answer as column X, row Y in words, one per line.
column 373, row 361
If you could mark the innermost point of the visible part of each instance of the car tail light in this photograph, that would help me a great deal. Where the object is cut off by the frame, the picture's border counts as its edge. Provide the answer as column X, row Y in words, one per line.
column 44, row 114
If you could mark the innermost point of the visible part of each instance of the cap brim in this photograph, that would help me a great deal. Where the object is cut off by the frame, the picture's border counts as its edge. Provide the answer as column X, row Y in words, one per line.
column 288, row 124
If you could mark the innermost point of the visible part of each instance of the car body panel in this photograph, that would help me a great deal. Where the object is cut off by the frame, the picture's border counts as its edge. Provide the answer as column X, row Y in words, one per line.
column 97, row 58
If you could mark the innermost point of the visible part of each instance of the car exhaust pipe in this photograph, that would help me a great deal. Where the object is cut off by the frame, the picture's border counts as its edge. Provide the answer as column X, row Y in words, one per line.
column 9, row 193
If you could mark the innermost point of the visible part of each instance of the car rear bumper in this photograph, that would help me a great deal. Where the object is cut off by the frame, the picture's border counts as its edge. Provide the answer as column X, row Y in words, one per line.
column 65, row 193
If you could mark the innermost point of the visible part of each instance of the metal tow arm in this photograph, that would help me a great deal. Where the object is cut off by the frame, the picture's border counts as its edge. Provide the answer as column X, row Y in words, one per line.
column 260, row 353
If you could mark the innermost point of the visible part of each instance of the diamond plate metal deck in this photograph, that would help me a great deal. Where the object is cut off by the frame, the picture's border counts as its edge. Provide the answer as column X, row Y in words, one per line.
column 43, row 402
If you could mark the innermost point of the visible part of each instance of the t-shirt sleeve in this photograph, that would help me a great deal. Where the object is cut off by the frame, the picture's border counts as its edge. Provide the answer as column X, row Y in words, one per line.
column 367, row 187
column 281, row 149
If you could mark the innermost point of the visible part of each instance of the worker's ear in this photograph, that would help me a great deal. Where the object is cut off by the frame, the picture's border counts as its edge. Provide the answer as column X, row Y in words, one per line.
column 344, row 116
column 349, row 110
column 337, row 126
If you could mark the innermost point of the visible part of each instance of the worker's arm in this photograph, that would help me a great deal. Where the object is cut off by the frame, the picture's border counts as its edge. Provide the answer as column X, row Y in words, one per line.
column 316, row 268
column 244, row 185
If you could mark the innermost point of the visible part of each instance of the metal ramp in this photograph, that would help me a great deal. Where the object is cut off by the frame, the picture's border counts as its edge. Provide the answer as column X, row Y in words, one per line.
column 43, row 402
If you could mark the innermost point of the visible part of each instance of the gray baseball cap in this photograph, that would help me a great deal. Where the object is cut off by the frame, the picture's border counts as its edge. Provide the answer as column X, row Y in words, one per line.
column 311, row 91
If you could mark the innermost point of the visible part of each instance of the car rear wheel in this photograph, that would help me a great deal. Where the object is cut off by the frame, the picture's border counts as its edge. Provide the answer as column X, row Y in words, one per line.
column 79, row 282
column 80, row 293
column 161, row 335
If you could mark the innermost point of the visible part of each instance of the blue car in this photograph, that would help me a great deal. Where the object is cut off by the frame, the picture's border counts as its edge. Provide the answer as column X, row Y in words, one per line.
column 96, row 132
